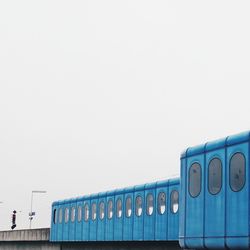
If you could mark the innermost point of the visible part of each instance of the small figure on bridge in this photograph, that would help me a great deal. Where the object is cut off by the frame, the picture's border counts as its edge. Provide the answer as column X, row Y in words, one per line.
column 13, row 220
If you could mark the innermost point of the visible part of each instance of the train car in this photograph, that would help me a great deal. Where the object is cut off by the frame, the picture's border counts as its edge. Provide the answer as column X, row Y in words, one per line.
column 215, row 195
column 214, row 210
column 148, row 212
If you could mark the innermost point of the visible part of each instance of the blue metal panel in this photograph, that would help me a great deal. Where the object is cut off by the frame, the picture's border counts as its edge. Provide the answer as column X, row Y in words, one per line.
column 237, row 205
column 54, row 222
column 239, row 138
column 72, row 221
column 118, row 222
column 101, row 222
column 217, row 144
column 93, row 221
column 173, row 218
column 109, row 229
column 215, row 204
column 128, row 221
column 86, row 223
column 79, row 219
column 195, row 150
column 161, row 220
column 60, row 224
column 139, row 220
column 66, row 205
column 183, row 195
column 195, row 208
column 149, row 220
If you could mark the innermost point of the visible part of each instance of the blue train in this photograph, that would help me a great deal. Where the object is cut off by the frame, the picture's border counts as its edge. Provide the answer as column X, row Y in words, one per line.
column 208, row 207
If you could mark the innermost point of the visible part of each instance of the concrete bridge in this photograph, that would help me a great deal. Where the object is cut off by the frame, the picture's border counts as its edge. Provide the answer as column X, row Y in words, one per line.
column 38, row 239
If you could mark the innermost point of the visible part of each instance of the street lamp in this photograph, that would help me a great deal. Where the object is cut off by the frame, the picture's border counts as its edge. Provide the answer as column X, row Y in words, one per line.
column 31, row 213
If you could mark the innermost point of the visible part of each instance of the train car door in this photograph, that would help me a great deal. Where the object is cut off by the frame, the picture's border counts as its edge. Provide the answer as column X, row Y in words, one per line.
column 139, row 214
column 79, row 213
column 66, row 209
column 60, row 221
column 173, row 213
column 119, row 214
column 149, row 211
column 101, row 217
column 195, row 197
column 128, row 214
column 86, row 218
column 215, row 194
column 54, row 222
column 161, row 216
column 72, row 220
column 109, row 229
column 237, row 202
column 93, row 223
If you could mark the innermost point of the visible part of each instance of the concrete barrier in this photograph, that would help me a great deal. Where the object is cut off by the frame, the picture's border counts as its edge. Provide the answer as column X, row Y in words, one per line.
column 41, row 234
column 38, row 239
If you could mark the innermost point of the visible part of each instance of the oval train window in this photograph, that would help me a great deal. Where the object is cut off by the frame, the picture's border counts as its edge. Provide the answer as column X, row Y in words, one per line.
column 237, row 172
column 86, row 212
column 101, row 210
column 174, row 201
column 195, row 180
column 214, row 176
column 55, row 216
column 161, row 203
column 60, row 215
column 150, row 204
column 110, row 209
column 138, row 206
column 128, row 207
column 79, row 213
column 93, row 211
column 73, row 214
column 119, row 208
column 66, row 215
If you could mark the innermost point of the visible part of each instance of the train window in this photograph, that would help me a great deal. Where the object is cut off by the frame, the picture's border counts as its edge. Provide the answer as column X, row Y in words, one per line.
column 101, row 210
column 86, row 212
column 110, row 209
column 73, row 214
column 79, row 213
column 128, row 207
column 119, row 208
column 195, row 180
column 66, row 215
column 150, row 204
column 174, row 201
column 138, row 204
column 54, row 216
column 60, row 215
column 215, row 176
column 237, row 172
column 93, row 211
column 161, row 203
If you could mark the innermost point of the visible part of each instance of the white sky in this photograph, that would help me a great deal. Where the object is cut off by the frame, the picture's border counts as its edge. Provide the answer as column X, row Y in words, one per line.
column 96, row 95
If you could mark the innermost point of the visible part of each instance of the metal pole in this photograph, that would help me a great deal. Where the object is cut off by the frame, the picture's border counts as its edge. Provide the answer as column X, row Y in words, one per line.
column 31, row 205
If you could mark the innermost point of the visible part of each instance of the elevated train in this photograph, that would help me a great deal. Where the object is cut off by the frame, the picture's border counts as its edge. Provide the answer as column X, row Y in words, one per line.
column 206, row 208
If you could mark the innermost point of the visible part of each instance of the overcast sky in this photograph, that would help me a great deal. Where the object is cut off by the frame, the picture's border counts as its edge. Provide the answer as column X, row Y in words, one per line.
column 97, row 95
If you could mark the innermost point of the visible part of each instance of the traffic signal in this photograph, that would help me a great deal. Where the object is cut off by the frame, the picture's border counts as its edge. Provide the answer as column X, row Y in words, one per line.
column 13, row 220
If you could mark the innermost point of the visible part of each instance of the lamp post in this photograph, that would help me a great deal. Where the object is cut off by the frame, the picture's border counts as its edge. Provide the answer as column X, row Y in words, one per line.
column 31, row 214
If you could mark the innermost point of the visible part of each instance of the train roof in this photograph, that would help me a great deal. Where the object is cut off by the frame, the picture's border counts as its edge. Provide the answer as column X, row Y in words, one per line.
column 216, row 144
column 164, row 183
